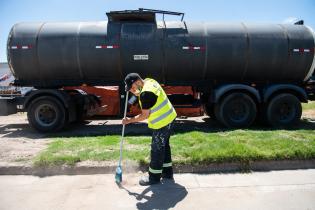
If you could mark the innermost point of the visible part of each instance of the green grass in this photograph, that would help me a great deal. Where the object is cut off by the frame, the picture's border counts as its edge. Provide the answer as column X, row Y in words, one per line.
column 308, row 106
column 188, row 148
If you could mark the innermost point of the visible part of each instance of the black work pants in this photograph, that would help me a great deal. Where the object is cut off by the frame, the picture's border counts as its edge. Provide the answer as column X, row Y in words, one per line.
column 161, row 160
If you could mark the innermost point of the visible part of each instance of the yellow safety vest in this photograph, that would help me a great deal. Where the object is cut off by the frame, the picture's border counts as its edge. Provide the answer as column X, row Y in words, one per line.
column 162, row 113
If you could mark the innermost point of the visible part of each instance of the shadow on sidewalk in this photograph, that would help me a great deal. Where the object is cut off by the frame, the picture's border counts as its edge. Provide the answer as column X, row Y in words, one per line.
column 163, row 196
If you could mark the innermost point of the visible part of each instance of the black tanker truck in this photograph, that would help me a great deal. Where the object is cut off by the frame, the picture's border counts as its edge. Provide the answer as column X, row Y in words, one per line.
column 241, row 72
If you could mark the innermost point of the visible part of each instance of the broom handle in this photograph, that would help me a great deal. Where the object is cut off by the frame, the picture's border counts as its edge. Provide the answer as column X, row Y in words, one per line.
column 123, row 129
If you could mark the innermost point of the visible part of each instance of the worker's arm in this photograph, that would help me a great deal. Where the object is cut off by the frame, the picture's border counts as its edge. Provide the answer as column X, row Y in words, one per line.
column 143, row 116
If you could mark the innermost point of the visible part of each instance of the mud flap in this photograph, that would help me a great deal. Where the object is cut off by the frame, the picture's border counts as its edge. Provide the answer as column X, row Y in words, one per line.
column 8, row 106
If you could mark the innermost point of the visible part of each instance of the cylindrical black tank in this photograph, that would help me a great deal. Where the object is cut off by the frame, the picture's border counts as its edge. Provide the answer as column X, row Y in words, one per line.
column 102, row 53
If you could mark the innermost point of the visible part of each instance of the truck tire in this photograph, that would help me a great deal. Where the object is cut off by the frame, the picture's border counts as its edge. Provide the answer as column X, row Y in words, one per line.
column 284, row 110
column 236, row 110
column 46, row 114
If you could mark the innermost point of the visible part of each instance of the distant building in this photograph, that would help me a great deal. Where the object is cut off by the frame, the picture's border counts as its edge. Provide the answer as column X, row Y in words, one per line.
column 6, row 78
column 4, row 69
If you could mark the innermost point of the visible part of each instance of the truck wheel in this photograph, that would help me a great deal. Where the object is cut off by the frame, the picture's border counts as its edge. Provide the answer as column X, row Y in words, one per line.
column 284, row 110
column 237, row 110
column 46, row 114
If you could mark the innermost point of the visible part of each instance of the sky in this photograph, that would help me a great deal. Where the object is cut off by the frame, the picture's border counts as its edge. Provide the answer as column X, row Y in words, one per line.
column 263, row 11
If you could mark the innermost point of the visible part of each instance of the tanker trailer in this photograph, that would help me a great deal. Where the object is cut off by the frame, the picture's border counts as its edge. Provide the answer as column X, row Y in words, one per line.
column 240, row 72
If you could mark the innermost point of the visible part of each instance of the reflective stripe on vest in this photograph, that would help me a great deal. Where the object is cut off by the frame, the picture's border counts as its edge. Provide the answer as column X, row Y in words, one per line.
column 159, row 106
column 162, row 113
column 162, row 116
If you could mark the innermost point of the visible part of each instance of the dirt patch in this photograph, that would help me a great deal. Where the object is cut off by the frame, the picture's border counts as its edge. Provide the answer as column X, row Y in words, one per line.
column 18, row 150
column 309, row 114
column 18, row 142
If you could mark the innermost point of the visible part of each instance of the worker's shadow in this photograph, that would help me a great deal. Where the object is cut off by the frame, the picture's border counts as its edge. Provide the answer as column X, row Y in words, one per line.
column 164, row 196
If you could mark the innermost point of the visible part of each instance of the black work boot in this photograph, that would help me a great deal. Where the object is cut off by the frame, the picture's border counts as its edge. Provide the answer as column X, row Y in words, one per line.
column 167, row 173
column 150, row 180
column 146, row 180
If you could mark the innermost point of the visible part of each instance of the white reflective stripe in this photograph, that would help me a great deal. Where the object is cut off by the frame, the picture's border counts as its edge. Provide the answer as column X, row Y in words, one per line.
column 106, row 46
column 155, row 171
column 162, row 116
column 167, row 164
column 310, row 72
column 191, row 47
column 14, row 47
column 306, row 50
column 296, row 50
column 159, row 106
column 24, row 47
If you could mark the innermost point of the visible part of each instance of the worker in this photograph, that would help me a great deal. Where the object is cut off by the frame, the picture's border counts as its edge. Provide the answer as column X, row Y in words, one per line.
column 156, row 107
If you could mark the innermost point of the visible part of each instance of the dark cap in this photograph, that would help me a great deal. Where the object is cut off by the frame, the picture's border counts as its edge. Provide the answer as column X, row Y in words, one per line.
column 130, row 79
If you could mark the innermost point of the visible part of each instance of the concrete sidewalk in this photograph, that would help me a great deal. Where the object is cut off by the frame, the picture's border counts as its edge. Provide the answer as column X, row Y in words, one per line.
column 291, row 189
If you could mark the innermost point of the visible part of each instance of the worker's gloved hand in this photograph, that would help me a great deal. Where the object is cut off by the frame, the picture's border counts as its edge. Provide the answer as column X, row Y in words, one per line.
column 125, row 121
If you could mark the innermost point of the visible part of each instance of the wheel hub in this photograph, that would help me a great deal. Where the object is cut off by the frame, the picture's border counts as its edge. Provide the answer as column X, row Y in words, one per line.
column 239, row 111
column 46, row 114
column 286, row 112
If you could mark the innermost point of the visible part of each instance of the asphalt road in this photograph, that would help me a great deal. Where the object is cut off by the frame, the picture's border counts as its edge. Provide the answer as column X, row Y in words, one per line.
column 293, row 189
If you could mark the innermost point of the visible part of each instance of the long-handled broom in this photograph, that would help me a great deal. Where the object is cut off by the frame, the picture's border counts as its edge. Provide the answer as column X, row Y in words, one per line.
column 118, row 175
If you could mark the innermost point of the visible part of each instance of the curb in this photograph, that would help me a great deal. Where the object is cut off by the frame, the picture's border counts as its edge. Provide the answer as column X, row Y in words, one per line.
column 264, row 165
column 261, row 165
column 56, row 170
